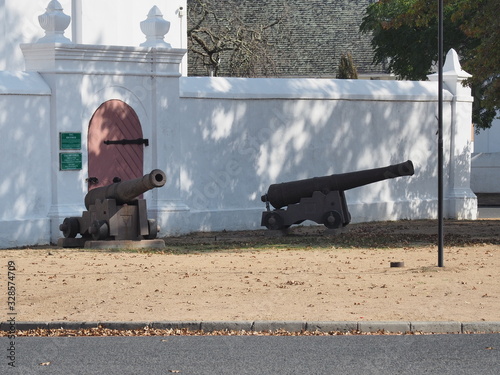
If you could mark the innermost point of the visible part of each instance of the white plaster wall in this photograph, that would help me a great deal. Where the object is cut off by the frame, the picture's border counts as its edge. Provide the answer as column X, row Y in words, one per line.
column 89, row 92
column 117, row 22
column 20, row 25
column 81, row 78
column 223, row 141
column 487, row 141
column 485, row 173
column 25, row 183
column 240, row 135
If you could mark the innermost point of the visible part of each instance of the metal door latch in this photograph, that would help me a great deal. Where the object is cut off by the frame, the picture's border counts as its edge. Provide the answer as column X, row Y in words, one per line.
column 138, row 141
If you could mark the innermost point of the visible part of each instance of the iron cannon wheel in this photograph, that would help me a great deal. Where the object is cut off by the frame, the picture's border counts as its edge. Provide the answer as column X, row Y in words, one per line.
column 332, row 220
column 274, row 221
column 70, row 227
column 99, row 230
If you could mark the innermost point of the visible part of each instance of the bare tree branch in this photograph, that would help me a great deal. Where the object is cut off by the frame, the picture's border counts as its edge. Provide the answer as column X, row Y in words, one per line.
column 224, row 42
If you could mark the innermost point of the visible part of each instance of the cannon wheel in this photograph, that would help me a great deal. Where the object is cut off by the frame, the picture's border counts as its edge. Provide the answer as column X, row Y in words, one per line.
column 70, row 227
column 274, row 221
column 99, row 230
column 332, row 220
column 153, row 229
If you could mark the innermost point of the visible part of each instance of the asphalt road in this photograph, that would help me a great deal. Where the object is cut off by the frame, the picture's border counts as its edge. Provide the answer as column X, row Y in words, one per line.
column 409, row 354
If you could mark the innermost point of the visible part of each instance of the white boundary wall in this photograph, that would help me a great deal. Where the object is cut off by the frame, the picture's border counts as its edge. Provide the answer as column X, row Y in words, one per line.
column 223, row 141
column 485, row 175
column 258, row 132
column 255, row 132
column 25, row 189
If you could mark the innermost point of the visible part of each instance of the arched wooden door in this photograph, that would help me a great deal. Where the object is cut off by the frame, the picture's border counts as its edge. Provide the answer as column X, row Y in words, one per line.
column 115, row 144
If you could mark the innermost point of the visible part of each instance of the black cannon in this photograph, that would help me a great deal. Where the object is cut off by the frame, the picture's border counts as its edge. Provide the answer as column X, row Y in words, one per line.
column 321, row 199
column 115, row 212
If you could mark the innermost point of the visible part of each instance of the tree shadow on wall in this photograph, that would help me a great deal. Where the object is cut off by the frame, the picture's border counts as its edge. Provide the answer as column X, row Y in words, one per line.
column 234, row 148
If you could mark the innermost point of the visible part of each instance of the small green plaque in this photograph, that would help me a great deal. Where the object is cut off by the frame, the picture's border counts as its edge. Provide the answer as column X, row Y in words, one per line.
column 70, row 161
column 70, row 141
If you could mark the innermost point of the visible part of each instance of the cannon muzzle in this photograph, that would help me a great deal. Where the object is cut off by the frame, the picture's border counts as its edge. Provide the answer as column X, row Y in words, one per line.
column 283, row 194
column 127, row 191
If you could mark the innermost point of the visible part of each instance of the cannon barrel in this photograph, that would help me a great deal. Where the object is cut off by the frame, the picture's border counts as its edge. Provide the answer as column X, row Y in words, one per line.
column 127, row 191
column 283, row 194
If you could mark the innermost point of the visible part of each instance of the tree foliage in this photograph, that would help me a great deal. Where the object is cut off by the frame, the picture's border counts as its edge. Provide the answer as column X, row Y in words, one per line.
column 404, row 37
column 347, row 69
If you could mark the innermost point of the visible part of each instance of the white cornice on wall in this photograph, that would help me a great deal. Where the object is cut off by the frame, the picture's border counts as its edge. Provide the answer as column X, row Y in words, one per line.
column 97, row 59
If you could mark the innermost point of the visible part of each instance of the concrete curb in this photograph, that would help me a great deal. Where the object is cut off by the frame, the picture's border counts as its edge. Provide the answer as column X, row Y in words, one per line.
column 271, row 326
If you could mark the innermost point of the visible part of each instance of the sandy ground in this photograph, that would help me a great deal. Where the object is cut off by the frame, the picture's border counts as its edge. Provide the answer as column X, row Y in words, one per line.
column 307, row 275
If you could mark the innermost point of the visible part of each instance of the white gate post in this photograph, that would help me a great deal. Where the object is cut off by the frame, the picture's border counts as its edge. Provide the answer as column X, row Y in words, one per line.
column 461, row 201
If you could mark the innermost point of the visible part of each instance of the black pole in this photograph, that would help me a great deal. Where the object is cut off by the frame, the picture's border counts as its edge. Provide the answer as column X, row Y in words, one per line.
column 440, row 137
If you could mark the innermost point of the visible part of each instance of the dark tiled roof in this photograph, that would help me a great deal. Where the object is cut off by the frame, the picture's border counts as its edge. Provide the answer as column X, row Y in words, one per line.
column 311, row 40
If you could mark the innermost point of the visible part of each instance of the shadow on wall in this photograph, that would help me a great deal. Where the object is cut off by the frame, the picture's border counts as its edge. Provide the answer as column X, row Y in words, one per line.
column 236, row 147
column 18, row 28
column 25, row 187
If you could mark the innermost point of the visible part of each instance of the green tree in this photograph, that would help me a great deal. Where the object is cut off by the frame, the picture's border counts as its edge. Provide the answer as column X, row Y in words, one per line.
column 347, row 69
column 404, row 37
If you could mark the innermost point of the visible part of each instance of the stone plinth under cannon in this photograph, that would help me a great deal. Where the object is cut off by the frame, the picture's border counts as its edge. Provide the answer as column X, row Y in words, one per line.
column 115, row 217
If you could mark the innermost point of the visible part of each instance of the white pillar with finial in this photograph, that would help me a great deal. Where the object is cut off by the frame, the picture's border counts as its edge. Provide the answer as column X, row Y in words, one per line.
column 54, row 22
column 155, row 27
column 462, row 202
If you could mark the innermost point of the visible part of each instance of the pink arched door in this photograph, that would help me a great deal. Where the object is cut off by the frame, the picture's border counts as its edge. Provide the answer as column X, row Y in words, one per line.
column 115, row 144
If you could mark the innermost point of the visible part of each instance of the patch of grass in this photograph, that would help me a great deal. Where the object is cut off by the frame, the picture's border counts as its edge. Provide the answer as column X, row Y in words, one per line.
column 372, row 235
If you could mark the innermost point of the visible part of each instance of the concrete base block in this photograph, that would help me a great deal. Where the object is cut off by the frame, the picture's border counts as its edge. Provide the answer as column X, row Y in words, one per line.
column 436, row 327
column 226, row 326
column 26, row 326
column 384, row 326
column 124, row 326
column 111, row 244
column 76, row 243
column 332, row 326
column 190, row 326
column 272, row 325
column 481, row 327
column 72, row 325
column 143, row 244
